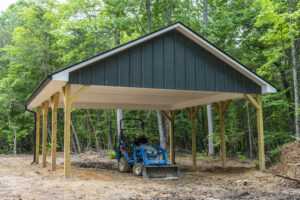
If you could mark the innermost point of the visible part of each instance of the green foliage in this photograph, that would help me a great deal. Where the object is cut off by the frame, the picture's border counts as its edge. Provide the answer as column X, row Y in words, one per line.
column 112, row 154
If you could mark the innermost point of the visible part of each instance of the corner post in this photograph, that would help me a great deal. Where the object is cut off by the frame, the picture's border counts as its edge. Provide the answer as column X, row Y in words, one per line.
column 67, row 102
column 37, row 144
column 260, row 130
column 222, row 133
column 45, row 124
column 54, row 106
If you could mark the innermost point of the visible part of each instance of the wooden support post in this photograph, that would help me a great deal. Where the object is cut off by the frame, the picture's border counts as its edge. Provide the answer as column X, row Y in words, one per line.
column 45, row 123
column 67, row 102
column 54, row 106
column 37, row 144
column 171, row 117
column 260, row 129
column 221, row 108
column 192, row 113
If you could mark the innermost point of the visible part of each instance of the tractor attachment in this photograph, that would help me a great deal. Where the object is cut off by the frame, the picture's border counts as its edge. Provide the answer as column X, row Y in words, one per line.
column 163, row 172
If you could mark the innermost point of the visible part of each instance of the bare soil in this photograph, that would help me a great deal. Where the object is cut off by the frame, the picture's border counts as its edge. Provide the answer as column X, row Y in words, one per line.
column 20, row 180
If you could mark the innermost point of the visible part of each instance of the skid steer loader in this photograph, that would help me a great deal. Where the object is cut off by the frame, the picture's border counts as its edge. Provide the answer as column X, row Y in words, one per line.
column 148, row 161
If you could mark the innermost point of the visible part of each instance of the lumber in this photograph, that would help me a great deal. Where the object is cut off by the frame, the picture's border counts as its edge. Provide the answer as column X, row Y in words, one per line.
column 67, row 127
column 252, row 100
column 170, row 117
column 192, row 113
column 54, row 106
column 45, row 124
column 37, row 144
column 260, row 130
column 79, row 93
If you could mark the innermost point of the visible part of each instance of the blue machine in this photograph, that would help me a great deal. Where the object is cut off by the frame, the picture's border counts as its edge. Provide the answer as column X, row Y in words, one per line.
column 149, row 161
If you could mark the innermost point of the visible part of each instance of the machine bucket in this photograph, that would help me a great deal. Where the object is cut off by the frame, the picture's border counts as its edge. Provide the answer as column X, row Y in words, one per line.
column 165, row 172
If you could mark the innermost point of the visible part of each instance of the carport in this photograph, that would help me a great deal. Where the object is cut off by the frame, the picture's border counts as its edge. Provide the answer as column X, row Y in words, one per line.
column 168, row 70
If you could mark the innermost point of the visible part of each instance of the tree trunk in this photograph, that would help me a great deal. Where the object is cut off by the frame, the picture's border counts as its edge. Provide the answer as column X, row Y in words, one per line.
column 296, row 94
column 149, row 20
column 249, row 132
column 94, row 130
column 211, row 150
column 119, row 117
column 15, row 135
column 169, row 13
column 162, row 138
column 76, row 137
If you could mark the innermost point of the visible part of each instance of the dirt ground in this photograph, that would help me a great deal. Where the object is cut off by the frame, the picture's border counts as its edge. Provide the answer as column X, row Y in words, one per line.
column 20, row 180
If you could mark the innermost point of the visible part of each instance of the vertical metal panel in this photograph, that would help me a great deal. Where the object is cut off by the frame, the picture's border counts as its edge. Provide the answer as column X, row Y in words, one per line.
column 99, row 74
column 239, row 82
column 147, row 65
column 112, row 71
column 158, row 63
column 136, row 67
column 124, row 69
column 200, row 69
column 210, row 73
column 74, row 77
column 179, row 61
column 220, row 75
column 169, row 60
column 86, row 75
column 230, row 79
column 190, row 63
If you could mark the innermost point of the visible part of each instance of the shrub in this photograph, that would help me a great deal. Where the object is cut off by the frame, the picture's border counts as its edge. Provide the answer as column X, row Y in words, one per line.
column 112, row 154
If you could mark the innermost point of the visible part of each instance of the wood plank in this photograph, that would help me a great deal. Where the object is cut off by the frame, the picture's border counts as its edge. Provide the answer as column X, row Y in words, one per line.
column 222, row 134
column 252, row 100
column 192, row 113
column 79, row 93
column 37, row 136
column 260, row 129
column 226, row 105
column 54, row 105
column 45, row 124
column 67, row 100
column 170, row 117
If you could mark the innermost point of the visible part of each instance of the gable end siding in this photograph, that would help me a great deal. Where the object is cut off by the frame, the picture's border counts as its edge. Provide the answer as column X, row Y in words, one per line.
column 170, row 61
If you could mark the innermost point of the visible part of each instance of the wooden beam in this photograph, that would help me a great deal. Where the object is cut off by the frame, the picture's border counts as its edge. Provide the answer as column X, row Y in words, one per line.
column 252, row 100
column 222, row 135
column 260, row 130
column 216, row 107
column 192, row 113
column 226, row 105
column 171, row 117
column 79, row 93
column 45, row 124
column 67, row 101
column 37, row 136
column 54, row 106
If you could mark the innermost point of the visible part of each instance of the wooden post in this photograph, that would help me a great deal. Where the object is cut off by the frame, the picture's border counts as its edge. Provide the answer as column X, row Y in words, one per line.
column 260, row 129
column 171, row 117
column 37, row 136
column 67, row 102
column 54, row 106
column 192, row 113
column 221, row 109
column 45, row 123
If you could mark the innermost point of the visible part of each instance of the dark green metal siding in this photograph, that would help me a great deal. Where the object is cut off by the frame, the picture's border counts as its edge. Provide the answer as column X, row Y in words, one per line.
column 170, row 61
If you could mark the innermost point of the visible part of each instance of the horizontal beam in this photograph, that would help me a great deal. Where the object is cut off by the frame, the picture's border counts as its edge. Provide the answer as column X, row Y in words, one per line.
column 79, row 93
